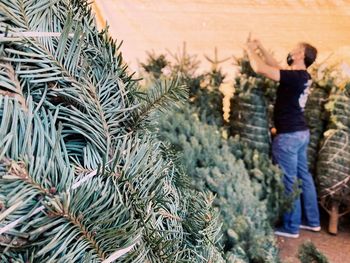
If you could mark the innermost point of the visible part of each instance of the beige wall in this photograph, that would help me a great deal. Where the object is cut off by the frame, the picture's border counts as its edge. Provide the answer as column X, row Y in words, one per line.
column 146, row 25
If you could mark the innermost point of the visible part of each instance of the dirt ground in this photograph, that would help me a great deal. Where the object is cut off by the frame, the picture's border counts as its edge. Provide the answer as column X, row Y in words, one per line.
column 335, row 247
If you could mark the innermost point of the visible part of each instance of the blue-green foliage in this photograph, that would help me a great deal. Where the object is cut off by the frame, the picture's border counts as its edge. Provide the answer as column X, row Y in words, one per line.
column 204, row 93
column 82, row 178
column 315, row 112
column 251, row 107
column 316, row 119
column 309, row 253
column 246, row 186
column 333, row 164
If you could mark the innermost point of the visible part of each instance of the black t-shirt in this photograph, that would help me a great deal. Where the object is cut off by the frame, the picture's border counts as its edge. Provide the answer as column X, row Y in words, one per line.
column 291, row 98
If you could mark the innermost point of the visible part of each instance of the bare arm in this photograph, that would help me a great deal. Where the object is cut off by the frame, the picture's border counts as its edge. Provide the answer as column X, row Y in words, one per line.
column 269, row 59
column 260, row 66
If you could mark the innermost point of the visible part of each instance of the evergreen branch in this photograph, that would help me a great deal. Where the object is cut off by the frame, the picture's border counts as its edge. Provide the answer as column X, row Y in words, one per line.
column 60, row 210
column 215, row 61
column 65, row 56
column 80, row 98
column 309, row 253
column 9, row 84
column 162, row 96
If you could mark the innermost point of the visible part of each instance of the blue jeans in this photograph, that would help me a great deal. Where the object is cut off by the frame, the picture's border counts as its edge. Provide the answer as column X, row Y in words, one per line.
column 289, row 151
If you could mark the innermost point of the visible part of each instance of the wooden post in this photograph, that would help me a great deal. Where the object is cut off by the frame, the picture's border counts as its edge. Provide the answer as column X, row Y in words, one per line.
column 334, row 217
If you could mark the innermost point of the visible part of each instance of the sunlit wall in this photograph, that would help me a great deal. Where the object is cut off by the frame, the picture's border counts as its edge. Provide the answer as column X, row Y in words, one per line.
column 146, row 25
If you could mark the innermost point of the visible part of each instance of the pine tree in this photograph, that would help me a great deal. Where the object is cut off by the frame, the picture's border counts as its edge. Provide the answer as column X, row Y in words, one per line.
column 251, row 107
column 333, row 165
column 204, row 147
column 82, row 177
column 315, row 112
column 204, row 93
column 243, row 196
column 308, row 253
column 210, row 99
column 266, row 178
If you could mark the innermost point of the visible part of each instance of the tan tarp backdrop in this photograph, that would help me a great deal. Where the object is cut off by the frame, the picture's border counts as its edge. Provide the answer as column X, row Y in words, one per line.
column 146, row 25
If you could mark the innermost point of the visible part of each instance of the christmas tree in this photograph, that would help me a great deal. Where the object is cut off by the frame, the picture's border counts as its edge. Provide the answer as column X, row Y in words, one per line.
column 243, row 201
column 251, row 107
column 246, row 184
column 333, row 165
column 204, row 93
column 309, row 253
column 315, row 112
column 82, row 177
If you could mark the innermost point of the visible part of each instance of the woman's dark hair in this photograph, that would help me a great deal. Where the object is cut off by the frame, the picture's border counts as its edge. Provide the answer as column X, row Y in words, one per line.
column 310, row 54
